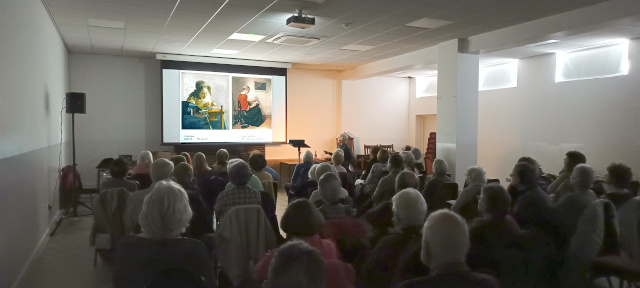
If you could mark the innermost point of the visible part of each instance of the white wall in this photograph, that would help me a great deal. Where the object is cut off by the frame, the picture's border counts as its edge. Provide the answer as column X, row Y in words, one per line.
column 419, row 106
column 123, row 108
column 544, row 119
column 33, row 82
column 376, row 111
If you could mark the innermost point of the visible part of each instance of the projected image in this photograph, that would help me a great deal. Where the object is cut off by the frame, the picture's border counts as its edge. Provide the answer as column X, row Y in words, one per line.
column 251, row 98
column 204, row 100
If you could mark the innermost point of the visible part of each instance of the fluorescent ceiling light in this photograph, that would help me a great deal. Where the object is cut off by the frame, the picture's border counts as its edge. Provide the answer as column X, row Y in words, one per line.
column 246, row 37
column 542, row 43
column 105, row 23
column 224, row 51
column 428, row 23
column 356, row 47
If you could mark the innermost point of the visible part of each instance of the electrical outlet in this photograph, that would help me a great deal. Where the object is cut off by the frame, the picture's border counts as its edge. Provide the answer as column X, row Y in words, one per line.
column 508, row 179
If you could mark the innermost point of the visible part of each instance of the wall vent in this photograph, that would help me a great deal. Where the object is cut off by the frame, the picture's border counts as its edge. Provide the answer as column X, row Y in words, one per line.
column 292, row 39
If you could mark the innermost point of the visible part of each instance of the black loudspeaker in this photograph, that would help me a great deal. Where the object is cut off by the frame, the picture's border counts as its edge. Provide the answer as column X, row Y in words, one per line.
column 76, row 103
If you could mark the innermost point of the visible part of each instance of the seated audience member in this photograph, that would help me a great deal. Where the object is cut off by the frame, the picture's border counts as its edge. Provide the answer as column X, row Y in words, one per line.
column 409, row 162
column 254, row 182
column 257, row 162
column 296, row 264
column 330, row 190
column 348, row 156
column 407, row 148
column 439, row 177
column 467, row 203
column 337, row 159
column 141, row 172
column 187, row 157
column 490, row 230
column 445, row 241
column 561, row 184
column 543, row 181
column 386, row 187
column 417, row 158
column 200, row 223
column 201, row 171
column 378, row 171
column 618, row 178
column 406, row 179
column 571, row 206
column 301, row 221
column 301, row 172
column 240, row 193
column 161, row 170
column 222, row 156
column 529, row 203
column 118, row 169
column 396, row 257
column 374, row 159
column 177, row 159
column 321, row 170
column 273, row 173
column 164, row 215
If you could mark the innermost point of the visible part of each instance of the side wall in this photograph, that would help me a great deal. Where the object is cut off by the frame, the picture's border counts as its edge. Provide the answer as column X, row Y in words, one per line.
column 376, row 111
column 33, row 65
column 544, row 119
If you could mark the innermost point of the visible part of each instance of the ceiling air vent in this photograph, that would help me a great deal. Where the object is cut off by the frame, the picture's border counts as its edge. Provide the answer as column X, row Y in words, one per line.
column 291, row 39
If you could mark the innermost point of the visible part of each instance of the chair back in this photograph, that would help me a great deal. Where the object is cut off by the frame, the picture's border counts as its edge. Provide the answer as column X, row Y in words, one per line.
column 387, row 147
column 143, row 180
column 446, row 192
column 108, row 224
column 242, row 238
column 175, row 277
column 211, row 192
column 585, row 245
column 628, row 224
column 347, row 183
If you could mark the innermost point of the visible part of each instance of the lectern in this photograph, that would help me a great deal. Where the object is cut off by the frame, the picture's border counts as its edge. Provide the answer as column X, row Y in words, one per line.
column 298, row 144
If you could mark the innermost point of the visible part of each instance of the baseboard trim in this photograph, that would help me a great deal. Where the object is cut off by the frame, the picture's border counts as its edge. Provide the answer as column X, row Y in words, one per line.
column 39, row 248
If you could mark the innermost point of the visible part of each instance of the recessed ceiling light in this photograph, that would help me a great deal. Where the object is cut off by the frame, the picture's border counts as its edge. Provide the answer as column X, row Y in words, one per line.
column 246, row 37
column 356, row 47
column 224, row 51
column 428, row 23
column 105, row 23
column 542, row 43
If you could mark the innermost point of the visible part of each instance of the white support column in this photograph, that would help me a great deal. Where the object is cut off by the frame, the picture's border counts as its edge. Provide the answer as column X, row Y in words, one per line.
column 457, row 138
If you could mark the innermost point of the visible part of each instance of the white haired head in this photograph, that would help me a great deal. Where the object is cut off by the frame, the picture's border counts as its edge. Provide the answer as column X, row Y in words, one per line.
column 239, row 172
column 307, row 157
column 161, row 169
column 440, row 167
column 145, row 159
column 409, row 208
column 582, row 176
column 324, row 168
column 476, row 175
column 338, row 157
column 312, row 172
column 329, row 188
column 165, row 211
column 445, row 239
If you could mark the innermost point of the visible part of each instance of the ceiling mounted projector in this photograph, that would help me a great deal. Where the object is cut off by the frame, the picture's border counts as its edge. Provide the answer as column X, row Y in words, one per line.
column 301, row 21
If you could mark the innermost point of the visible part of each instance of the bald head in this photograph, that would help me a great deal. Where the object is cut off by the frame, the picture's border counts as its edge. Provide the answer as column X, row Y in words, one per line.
column 445, row 239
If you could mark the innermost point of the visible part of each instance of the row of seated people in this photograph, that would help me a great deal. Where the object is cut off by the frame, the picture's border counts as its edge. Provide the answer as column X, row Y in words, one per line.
column 522, row 238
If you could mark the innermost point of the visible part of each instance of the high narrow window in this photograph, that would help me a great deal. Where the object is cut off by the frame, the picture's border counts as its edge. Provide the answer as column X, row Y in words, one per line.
column 426, row 86
column 498, row 75
column 601, row 61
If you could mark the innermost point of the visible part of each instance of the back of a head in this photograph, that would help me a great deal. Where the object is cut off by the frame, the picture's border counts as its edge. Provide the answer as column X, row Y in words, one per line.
column 329, row 188
column 575, row 157
column 494, row 200
column 307, row 157
column 527, row 173
column 296, row 264
column 119, row 168
column 619, row 175
column 183, row 173
column 161, row 169
column 406, row 148
column 343, row 137
column 312, row 172
column 407, row 159
column 222, row 156
column 145, row 159
column 409, row 208
column 396, row 162
column 324, row 168
column 440, row 167
column 374, row 151
column 165, row 211
column 476, row 175
column 257, row 162
column 200, row 163
column 383, row 156
column 406, row 179
column 445, row 239
column 527, row 159
column 177, row 159
column 417, row 154
column 301, row 219
column 187, row 157
column 582, row 176
column 239, row 172
column 338, row 157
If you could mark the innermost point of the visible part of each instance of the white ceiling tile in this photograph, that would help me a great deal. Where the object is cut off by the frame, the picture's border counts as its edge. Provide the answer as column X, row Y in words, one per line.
column 175, row 37
column 106, row 7
column 70, row 27
column 153, row 29
column 261, row 27
column 200, row 6
column 129, row 37
column 149, row 11
column 65, row 3
column 142, row 34
column 67, row 33
column 227, row 46
column 66, row 15
column 84, row 50
column 106, row 31
column 187, row 25
column 107, row 51
column 99, row 15
column 139, row 54
column 154, row 21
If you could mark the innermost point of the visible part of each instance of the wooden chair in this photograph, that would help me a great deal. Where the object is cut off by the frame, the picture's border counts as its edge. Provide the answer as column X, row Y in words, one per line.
column 388, row 148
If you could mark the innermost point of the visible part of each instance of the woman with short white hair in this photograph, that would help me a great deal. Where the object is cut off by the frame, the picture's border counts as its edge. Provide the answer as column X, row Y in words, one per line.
column 165, row 214
column 348, row 155
column 321, row 170
column 409, row 162
column 331, row 192
column 467, row 203
column 337, row 159
column 142, row 171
